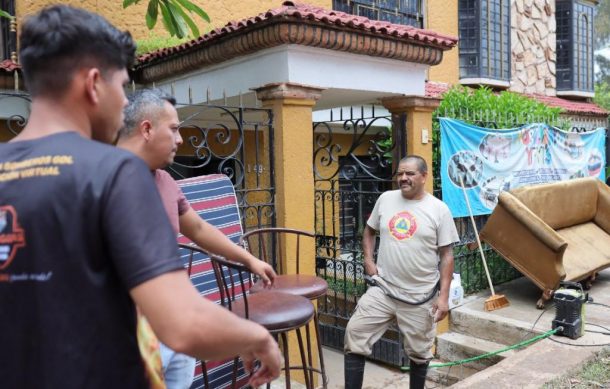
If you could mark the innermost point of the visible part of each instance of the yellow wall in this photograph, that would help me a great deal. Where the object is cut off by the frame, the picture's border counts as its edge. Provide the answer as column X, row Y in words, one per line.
column 442, row 17
column 132, row 18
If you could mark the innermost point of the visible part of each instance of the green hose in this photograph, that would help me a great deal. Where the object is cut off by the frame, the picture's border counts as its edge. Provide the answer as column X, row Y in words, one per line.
column 514, row 346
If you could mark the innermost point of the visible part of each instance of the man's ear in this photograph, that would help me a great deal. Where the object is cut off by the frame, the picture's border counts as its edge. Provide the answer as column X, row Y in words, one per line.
column 145, row 128
column 93, row 77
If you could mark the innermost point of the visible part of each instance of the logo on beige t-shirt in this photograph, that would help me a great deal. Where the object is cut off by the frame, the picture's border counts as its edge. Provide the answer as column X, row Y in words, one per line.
column 403, row 225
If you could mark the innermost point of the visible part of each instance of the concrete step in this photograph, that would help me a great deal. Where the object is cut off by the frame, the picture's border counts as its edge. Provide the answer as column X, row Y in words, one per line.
column 453, row 346
column 447, row 376
column 491, row 327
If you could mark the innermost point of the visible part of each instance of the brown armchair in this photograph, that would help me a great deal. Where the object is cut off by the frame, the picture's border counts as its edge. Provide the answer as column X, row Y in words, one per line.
column 553, row 232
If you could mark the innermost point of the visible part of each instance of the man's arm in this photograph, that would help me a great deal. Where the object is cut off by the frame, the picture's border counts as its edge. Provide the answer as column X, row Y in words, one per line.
column 190, row 324
column 368, row 249
column 441, row 306
column 213, row 240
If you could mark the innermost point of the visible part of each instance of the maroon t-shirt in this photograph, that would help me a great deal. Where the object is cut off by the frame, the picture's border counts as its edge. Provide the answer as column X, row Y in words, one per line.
column 173, row 199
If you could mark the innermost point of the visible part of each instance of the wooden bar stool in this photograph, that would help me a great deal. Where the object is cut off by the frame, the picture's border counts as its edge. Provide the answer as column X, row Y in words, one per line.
column 272, row 245
column 278, row 312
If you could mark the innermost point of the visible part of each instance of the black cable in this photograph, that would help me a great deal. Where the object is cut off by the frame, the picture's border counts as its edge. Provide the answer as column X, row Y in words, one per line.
column 594, row 303
column 580, row 345
column 598, row 332
column 534, row 325
column 539, row 316
column 597, row 325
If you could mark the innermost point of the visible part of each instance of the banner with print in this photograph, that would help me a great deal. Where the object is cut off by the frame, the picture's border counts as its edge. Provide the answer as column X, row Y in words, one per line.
column 489, row 161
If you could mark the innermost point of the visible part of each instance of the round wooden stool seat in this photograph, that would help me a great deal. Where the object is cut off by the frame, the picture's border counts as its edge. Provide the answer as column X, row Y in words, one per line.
column 276, row 311
column 304, row 285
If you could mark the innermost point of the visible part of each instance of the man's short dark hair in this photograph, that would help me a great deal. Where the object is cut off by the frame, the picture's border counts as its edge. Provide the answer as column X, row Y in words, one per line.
column 60, row 39
column 422, row 166
column 144, row 104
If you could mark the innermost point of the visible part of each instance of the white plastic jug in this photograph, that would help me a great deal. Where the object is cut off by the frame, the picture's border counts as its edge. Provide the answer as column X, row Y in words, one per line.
column 456, row 291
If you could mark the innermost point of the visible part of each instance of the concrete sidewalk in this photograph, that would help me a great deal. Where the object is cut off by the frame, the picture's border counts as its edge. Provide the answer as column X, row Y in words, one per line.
column 546, row 359
column 528, row 368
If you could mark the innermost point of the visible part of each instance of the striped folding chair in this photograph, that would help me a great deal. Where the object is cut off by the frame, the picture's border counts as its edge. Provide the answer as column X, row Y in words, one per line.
column 213, row 198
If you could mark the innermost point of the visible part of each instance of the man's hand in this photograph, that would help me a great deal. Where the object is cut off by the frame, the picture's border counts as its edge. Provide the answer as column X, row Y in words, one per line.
column 270, row 362
column 263, row 270
column 370, row 268
column 440, row 308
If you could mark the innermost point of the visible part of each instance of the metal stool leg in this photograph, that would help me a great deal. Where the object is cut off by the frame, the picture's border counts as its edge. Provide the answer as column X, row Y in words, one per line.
column 306, row 368
column 320, row 355
column 286, row 360
column 204, row 373
column 310, row 366
column 234, row 378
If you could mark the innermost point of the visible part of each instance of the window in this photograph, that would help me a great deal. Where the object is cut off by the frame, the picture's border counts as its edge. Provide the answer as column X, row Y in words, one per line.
column 7, row 38
column 484, row 30
column 409, row 12
column 574, row 48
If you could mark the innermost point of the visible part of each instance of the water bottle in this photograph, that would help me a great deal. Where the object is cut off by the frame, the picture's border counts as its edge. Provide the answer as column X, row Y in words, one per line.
column 456, row 291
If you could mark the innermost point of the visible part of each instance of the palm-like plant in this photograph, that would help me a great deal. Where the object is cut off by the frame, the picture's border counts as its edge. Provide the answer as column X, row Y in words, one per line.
column 175, row 15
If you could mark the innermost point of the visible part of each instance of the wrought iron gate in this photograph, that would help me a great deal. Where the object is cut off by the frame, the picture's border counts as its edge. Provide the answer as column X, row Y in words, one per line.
column 14, row 112
column 236, row 141
column 352, row 159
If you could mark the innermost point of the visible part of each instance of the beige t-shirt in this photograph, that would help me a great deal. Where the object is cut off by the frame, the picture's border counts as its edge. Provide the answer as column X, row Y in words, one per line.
column 411, row 232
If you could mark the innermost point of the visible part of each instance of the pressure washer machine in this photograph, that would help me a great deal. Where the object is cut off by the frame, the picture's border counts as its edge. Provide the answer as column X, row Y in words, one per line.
column 569, row 302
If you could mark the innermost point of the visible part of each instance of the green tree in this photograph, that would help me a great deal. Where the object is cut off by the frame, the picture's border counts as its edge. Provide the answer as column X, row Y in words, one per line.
column 603, row 63
column 602, row 95
column 602, row 25
column 602, row 40
column 175, row 15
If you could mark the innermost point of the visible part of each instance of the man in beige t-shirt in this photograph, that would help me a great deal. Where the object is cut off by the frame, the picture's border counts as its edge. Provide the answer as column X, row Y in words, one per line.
column 415, row 253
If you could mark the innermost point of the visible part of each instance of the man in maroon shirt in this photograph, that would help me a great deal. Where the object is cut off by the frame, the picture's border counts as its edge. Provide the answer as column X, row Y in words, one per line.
column 151, row 132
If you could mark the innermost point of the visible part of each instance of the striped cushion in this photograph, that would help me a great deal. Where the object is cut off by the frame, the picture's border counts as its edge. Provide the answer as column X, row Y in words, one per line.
column 213, row 198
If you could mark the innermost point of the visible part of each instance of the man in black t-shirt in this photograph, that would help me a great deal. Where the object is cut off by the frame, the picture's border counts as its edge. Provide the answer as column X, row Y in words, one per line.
column 83, row 234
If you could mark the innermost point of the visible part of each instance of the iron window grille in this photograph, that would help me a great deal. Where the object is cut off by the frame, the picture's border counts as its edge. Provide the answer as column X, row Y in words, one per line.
column 574, row 46
column 354, row 187
column 484, row 32
column 408, row 12
column 8, row 39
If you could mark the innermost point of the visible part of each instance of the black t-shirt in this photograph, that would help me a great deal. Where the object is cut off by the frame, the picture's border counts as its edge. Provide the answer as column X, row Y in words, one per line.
column 81, row 223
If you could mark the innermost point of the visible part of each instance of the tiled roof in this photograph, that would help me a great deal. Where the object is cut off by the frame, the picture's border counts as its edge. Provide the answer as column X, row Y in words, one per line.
column 8, row 65
column 312, row 14
column 570, row 106
column 436, row 89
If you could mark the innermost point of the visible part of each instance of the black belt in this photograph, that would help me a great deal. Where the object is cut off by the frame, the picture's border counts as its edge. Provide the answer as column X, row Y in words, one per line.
column 372, row 282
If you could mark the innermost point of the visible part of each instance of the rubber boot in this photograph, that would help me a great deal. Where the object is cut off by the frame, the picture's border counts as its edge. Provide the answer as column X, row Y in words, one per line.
column 417, row 374
column 354, row 370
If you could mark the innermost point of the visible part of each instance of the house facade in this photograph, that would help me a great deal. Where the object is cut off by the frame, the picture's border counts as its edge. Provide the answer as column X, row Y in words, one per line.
column 540, row 48
column 292, row 62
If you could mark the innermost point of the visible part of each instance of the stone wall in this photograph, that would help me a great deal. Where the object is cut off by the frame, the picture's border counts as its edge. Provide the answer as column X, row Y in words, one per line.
column 533, row 37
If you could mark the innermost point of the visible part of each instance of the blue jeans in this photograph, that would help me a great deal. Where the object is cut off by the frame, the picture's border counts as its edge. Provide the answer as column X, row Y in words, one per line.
column 178, row 369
